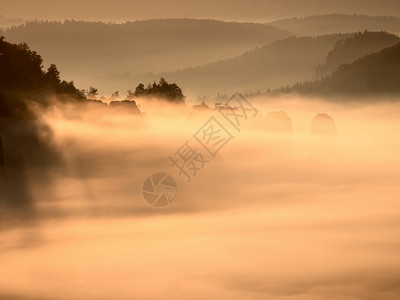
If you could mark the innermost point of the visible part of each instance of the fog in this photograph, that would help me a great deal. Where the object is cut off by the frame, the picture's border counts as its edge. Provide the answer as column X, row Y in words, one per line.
column 275, row 215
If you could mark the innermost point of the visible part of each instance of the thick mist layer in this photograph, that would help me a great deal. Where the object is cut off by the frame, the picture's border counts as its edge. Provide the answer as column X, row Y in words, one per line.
column 283, row 211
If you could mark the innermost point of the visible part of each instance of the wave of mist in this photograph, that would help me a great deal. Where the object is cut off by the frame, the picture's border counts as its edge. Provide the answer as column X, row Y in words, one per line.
column 277, row 214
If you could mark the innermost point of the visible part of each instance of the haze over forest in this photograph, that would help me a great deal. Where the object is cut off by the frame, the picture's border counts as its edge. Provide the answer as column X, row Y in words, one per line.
column 239, row 56
column 199, row 149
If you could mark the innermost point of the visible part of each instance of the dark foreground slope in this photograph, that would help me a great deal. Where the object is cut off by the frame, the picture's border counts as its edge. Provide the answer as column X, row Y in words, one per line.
column 26, row 141
column 28, row 148
column 22, row 80
column 26, row 89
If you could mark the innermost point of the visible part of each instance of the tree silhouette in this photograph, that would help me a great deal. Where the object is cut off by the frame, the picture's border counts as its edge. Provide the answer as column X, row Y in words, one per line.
column 92, row 93
column 22, row 77
column 130, row 94
column 52, row 76
column 140, row 90
column 163, row 90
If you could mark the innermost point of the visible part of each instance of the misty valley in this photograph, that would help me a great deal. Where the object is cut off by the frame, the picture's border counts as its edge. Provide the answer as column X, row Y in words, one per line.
column 194, row 158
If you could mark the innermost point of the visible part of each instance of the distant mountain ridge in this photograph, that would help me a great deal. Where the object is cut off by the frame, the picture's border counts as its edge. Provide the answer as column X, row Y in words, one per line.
column 203, row 56
column 283, row 62
column 86, row 51
column 355, row 47
column 377, row 73
column 228, row 10
column 338, row 23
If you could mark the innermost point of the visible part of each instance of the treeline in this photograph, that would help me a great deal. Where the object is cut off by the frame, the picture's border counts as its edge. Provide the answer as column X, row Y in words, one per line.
column 162, row 90
column 22, row 77
column 23, row 80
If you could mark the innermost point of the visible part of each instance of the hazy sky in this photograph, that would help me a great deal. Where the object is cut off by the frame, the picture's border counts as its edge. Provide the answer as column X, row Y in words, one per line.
column 257, row 10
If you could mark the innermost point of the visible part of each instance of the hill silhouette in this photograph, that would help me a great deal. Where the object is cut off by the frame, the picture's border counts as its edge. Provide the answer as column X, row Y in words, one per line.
column 354, row 47
column 26, row 141
column 95, row 53
column 377, row 73
column 24, row 85
column 22, row 79
column 283, row 62
column 335, row 23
